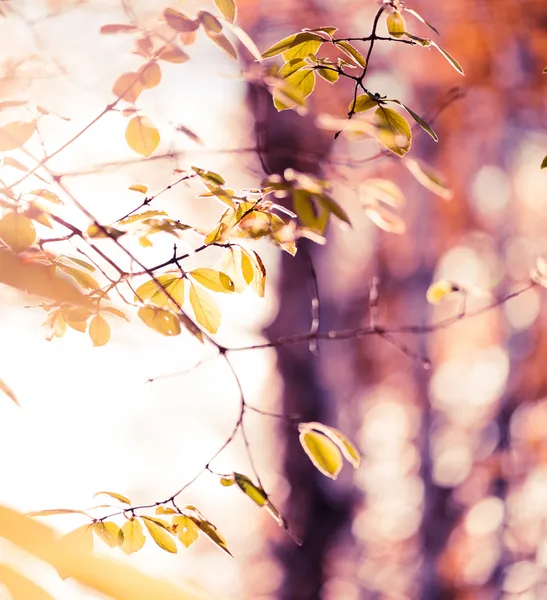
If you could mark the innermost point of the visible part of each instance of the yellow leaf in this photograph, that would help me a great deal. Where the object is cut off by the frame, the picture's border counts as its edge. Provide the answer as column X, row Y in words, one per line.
column 213, row 280
column 227, row 481
column 142, row 136
column 128, row 86
column 13, row 135
column 172, row 54
column 396, row 24
column 168, row 292
column 4, row 387
column 362, row 103
column 254, row 492
column 47, row 195
column 205, row 308
column 298, row 45
column 106, row 577
column 212, row 533
column 187, row 531
column 227, row 8
column 39, row 279
column 99, row 331
column 160, row 320
column 223, row 42
column 322, row 451
column 150, row 75
column 116, row 496
column 163, row 510
column 133, row 537
column 87, row 281
column 55, row 511
column 347, row 447
column 19, row 587
column 392, row 130
column 429, row 178
column 210, row 23
column 349, row 50
column 258, row 284
column 17, row 231
column 109, row 532
column 138, row 188
column 247, row 267
column 439, row 290
column 160, row 534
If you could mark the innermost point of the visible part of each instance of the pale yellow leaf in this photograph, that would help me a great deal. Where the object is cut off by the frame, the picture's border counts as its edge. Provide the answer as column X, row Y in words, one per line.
column 17, row 231
column 186, row 530
column 213, row 280
column 142, row 136
column 99, row 331
column 128, row 86
column 439, row 290
column 116, row 496
column 322, row 451
column 205, row 309
column 13, row 135
column 162, row 321
column 227, row 8
column 133, row 537
column 109, row 532
column 160, row 535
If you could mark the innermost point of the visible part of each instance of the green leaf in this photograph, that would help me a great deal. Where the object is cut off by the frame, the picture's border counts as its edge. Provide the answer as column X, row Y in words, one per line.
column 159, row 530
column 167, row 291
column 322, row 451
column 544, row 163
column 205, row 309
column 109, row 532
column 393, row 130
column 396, row 24
column 362, row 103
column 227, row 8
column 298, row 45
column 213, row 280
column 160, row 320
column 418, row 120
column 133, row 537
column 449, row 58
column 350, row 50
column 116, row 496
column 186, row 530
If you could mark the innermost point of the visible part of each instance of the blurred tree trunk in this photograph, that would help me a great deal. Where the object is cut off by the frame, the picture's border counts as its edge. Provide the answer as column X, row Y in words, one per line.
column 314, row 508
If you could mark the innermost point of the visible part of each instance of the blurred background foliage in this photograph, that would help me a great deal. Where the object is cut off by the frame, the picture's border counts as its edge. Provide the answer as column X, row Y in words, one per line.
column 450, row 501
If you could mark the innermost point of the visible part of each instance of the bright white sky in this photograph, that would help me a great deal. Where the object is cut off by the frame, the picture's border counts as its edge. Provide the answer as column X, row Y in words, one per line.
column 88, row 420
